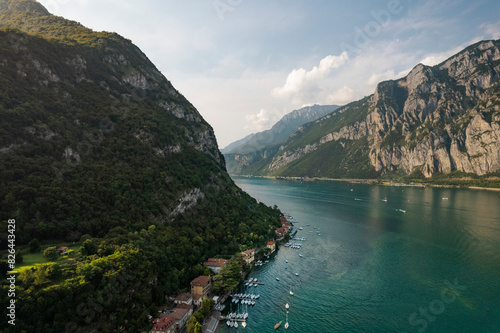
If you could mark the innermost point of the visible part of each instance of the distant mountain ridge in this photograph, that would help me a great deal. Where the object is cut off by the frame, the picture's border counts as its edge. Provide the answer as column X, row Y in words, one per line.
column 436, row 120
column 258, row 146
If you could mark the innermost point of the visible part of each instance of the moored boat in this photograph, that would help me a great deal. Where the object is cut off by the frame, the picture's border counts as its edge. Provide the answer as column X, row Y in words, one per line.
column 277, row 325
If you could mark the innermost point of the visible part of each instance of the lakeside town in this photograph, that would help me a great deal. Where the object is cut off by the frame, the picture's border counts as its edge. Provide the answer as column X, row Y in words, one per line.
column 184, row 311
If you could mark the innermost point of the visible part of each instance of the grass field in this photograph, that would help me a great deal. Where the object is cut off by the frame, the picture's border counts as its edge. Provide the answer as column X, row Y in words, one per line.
column 33, row 259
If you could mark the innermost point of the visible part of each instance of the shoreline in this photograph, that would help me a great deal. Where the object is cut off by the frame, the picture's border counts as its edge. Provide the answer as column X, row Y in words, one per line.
column 372, row 182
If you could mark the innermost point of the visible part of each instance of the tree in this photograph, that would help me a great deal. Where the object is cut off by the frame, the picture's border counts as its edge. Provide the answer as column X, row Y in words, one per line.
column 50, row 253
column 206, row 306
column 34, row 245
column 89, row 247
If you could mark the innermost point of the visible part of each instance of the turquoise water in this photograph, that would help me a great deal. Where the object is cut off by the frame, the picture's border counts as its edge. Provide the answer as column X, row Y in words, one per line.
column 414, row 263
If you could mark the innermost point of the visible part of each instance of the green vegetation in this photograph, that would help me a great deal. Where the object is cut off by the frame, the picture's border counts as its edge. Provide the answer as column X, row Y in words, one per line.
column 336, row 159
column 229, row 276
column 341, row 117
column 194, row 324
column 454, row 178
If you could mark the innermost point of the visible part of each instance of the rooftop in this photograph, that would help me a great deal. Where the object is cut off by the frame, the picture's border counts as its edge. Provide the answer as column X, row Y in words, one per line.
column 184, row 297
column 177, row 314
column 162, row 323
column 202, row 280
column 250, row 251
column 215, row 262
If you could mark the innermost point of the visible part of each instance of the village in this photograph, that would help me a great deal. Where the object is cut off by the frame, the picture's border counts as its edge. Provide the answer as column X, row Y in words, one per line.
column 173, row 318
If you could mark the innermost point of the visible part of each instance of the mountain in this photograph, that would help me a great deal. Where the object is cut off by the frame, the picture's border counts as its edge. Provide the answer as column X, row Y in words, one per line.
column 100, row 153
column 247, row 154
column 435, row 121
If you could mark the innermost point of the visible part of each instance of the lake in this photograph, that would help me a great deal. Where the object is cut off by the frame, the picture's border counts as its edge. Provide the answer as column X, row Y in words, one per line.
column 379, row 259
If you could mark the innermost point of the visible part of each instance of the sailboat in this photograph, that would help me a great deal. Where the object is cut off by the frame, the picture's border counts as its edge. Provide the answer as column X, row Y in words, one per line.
column 287, row 307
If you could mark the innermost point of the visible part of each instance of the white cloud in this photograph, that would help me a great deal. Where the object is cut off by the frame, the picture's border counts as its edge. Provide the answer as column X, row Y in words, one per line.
column 341, row 96
column 262, row 120
column 375, row 78
column 492, row 29
column 302, row 85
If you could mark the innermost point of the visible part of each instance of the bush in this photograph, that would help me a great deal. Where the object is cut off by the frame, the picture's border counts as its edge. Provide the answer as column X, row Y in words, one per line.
column 50, row 253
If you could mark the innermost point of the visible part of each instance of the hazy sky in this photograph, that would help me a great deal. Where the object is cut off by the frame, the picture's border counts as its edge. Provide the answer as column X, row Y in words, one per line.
column 246, row 63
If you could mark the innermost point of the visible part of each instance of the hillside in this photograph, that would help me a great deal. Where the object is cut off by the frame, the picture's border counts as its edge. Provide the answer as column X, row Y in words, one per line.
column 99, row 150
column 247, row 155
column 436, row 121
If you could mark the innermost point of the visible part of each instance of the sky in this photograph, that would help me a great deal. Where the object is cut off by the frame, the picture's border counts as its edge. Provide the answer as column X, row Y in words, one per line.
column 246, row 63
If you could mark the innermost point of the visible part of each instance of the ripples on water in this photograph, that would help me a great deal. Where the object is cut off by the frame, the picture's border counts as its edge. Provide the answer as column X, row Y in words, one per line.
column 374, row 265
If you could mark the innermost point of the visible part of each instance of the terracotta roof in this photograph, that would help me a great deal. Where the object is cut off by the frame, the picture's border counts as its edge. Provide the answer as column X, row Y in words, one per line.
column 215, row 262
column 184, row 306
column 162, row 323
column 248, row 251
column 184, row 297
column 177, row 314
column 63, row 248
column 270, row 243
column 201, row 281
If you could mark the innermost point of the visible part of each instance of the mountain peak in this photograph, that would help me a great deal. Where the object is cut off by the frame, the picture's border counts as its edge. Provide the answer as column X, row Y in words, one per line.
column 16, row 6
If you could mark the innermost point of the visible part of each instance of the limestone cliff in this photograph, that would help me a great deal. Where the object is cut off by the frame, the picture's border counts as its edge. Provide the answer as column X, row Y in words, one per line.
column 435, row 120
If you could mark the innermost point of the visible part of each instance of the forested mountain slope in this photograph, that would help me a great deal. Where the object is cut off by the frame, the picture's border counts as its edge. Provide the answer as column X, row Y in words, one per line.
column 97, row 147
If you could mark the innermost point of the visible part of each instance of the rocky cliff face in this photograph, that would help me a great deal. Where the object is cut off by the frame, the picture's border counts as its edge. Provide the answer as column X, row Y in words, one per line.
column 435, row 120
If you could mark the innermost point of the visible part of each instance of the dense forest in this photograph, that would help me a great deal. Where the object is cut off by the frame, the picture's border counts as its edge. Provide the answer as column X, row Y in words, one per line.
column 101, row 154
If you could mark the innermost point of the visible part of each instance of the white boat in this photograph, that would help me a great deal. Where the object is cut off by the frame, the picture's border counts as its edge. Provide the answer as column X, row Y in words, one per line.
column 297, row 274
column 384, row 199
column 228, row 323
column 244, row 324
column 286, row 325
column 245, row 316
column 291, row 294
column 277, row 279
column 287, row 306
column 300, row 255
column 235, row 324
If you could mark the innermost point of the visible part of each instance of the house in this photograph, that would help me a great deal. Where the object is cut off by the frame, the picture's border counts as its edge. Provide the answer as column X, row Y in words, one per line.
column 63, row 250
column 272, row 246
column 200, row 288
column 215, row 264
column 180, row 315
column 249, row 256
column 163, row 325
column 280, row 232
column 184, row 298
